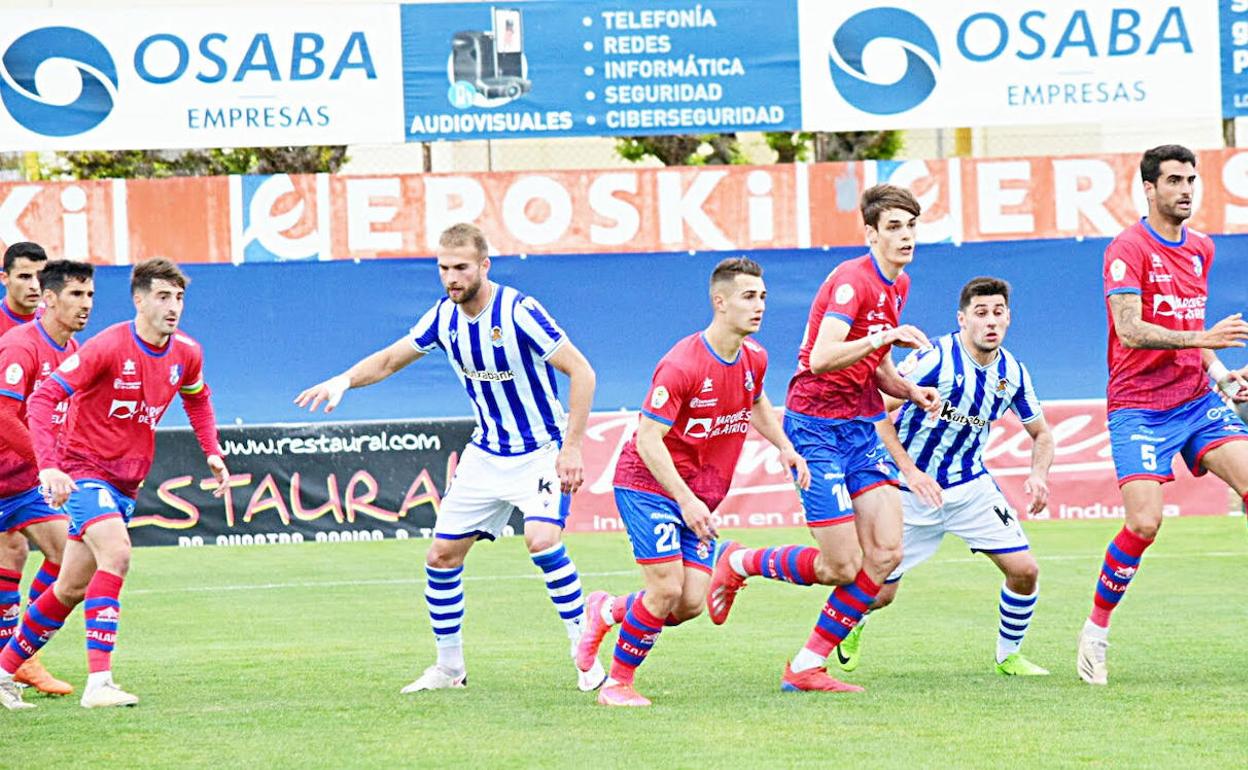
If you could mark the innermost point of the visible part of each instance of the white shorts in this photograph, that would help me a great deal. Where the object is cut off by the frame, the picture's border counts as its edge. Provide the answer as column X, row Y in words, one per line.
column 975, row 511
column 486, row 487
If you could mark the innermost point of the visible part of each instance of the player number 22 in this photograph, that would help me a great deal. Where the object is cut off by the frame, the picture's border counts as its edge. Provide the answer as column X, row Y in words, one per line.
column 668, row 539
column 1148, row 455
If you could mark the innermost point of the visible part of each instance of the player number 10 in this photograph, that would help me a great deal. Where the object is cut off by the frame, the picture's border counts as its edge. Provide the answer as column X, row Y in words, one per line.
column 843, row 500
column 1148, row 455
column 668, row 539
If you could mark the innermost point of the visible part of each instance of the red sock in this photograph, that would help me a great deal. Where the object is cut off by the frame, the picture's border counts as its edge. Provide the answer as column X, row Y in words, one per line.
column 787, row 563
column 844, row 610
column 1122, row 561
column 637, row 635
column 10, row 603
column 103, row 610
column 44, row 578
column 43, row 619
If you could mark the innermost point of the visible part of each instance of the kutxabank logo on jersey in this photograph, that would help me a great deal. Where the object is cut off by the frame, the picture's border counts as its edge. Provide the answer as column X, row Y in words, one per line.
column 896, row 27
column 44, row 55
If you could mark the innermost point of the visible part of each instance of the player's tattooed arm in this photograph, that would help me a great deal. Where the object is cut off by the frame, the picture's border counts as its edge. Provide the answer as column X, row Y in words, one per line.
column 1135, row 332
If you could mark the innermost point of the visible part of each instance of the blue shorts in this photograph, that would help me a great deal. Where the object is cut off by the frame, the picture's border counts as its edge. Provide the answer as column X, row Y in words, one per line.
column 22, row 510
column 94, row 502
column 846, row 459
column 658, row 531
column 1145, row 441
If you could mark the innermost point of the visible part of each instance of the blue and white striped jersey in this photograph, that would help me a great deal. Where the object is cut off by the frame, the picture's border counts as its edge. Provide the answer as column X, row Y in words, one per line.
column 501, row 357
column 950, row 448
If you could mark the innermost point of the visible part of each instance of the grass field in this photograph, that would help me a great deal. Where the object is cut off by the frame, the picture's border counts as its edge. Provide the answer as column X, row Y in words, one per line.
column 293, row 656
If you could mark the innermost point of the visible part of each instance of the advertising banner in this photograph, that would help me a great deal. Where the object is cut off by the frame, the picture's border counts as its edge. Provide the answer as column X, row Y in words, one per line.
column 920, row 64
column 283, row 217
column 235, row 76
column 385, row 480
column 1233, row 17
column 548, row 68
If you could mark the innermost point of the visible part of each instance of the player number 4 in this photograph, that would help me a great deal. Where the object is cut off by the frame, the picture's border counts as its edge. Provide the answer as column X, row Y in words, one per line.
column 1148, row 455
column 667, row 537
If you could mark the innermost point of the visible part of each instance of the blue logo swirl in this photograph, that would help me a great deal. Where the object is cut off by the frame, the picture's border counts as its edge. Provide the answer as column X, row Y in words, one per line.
column 31, row 109
column 911, row 35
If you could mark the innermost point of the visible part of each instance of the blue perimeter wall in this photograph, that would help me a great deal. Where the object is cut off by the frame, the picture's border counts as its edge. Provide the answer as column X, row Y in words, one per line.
column 269, row 330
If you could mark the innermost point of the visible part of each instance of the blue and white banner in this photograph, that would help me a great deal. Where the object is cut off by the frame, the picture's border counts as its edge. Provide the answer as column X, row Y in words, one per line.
column 550, row 68
column 199, row 77
column 924, row 64
column 1234, row 30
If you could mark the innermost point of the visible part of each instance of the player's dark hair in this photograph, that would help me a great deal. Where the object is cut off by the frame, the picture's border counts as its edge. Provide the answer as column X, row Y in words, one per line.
column 465, row 234
column 159, row 269
column 23, row 250
column 983, row 286
column 729, row 269
column 876, row 200
column 58, row 272
column 1150, row 163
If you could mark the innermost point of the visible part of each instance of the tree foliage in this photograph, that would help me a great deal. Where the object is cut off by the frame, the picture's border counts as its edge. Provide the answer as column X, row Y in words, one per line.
column 159, row 164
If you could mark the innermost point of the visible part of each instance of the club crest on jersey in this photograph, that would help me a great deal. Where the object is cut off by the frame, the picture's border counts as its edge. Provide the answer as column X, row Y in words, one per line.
column 749, row 380
column 1002, row 385
column 1197, row 265
column 175, row 373
column 659, row 397
column 13, row 374
column 127, row 367
column 883, row 297
column 496, row 337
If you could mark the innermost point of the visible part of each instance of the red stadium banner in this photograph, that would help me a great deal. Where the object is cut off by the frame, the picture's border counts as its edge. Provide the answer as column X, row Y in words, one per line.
column 723, row 208
column 1082, row 482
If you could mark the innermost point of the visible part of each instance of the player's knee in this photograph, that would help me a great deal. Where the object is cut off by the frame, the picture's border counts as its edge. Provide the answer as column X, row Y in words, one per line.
column 117, row 562
column 542, row 541
column 1022, row 579
column 13, row 552
column 665, row 596
column 442, row 559
column 837, row 571
column 1145, row 528
column 689, row 608
column 885, row 597
column 68, row 594
column 882, row 558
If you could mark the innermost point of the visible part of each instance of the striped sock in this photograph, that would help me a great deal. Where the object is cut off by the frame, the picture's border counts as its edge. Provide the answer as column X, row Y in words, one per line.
column 787, row 563
column 444, row 597
column 1122, row 561
column 44, row 578
column 564, row 586
column 102, row 609
column 10, row 603
column 845, row 607
column 622, row 604
column 1015, row 612
column 638, row 633
column 43, row 619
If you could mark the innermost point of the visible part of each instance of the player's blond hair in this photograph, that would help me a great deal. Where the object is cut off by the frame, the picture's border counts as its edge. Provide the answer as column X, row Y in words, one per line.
column 465, row 234
column 158, row 269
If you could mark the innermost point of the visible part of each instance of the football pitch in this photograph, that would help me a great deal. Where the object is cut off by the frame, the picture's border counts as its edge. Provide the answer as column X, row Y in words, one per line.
column 293, row 656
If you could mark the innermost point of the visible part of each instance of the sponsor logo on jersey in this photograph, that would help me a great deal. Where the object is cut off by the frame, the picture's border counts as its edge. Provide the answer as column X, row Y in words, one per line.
column 1174, row 306
column 145, row 413
column 659, row 397
column 120, row 384
column 702, row 403
column 949, row 414
column 721, row 425
column 13, row 374
column 483, row 376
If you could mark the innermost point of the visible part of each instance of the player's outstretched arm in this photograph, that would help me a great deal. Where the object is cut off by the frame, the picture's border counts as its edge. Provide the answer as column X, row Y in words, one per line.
column 833, row 352
column 1042, row 449
column 373, row 368
column 919, row 482
column 763, row 418
column 654, row 454
column 569, row 465
column 1136, row 333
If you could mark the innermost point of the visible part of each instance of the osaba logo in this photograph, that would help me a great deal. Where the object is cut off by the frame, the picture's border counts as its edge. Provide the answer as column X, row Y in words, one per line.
column 64, row 107
column 909, row 34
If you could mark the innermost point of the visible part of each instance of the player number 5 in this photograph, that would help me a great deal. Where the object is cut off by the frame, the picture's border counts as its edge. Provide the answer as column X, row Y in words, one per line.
column 1148, row 455
column 668, row 540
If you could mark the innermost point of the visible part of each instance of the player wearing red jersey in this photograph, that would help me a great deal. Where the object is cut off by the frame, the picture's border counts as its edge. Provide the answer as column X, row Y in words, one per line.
column 833, row 402
column 28, row 354
column 1156, row 276
column 119, row 384
column 705, row 394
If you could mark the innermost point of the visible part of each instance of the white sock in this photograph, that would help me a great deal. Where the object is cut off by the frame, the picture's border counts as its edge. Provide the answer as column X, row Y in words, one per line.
column 451, row 654
column 736, row 560
column 98, row 678
column 805, row 660
column 575, row 627
column 1093, row 630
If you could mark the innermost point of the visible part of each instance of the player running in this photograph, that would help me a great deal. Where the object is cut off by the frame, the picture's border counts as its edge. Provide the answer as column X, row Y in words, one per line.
column 705, row 394
column 118, row 384
column 504, row 347
column 28, row 354
column 948, row 489
column 833, row 402
column 1156, row 275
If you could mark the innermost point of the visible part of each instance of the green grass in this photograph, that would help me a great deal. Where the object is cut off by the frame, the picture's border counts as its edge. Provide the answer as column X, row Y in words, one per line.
column 296, row 660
